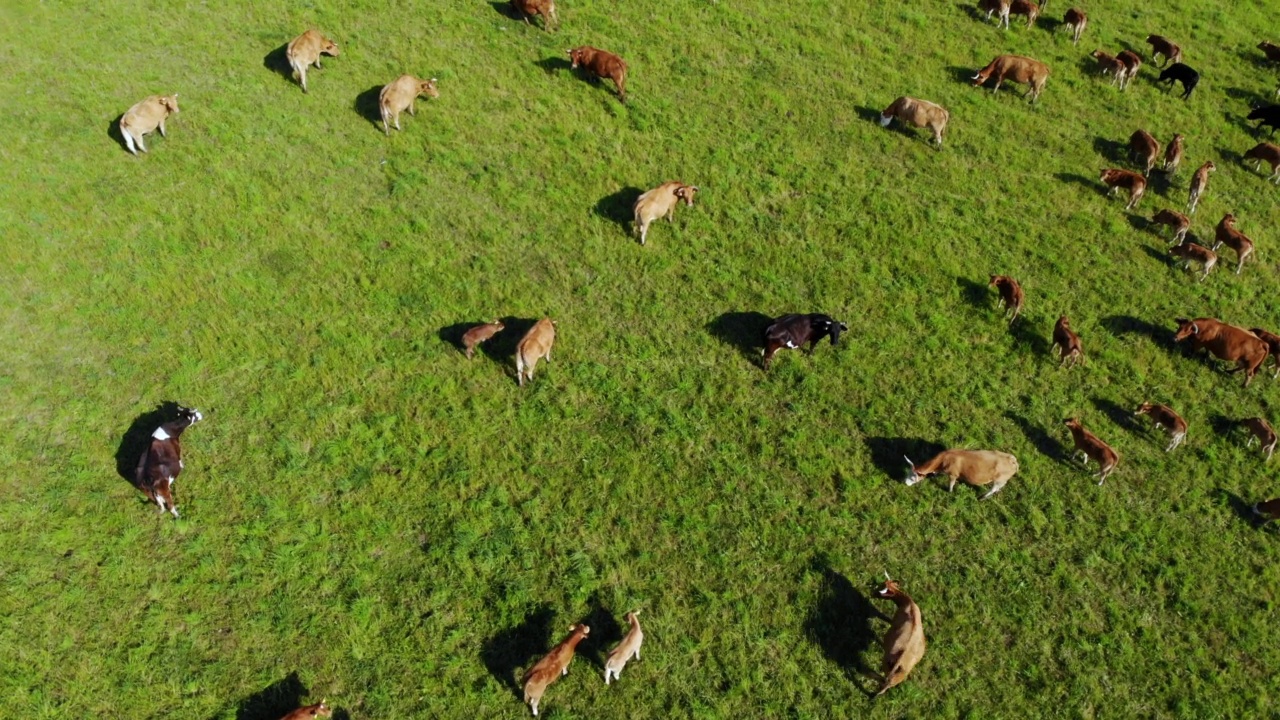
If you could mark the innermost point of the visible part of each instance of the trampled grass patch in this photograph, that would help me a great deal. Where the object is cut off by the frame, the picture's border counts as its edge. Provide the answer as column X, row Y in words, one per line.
column 371, row 518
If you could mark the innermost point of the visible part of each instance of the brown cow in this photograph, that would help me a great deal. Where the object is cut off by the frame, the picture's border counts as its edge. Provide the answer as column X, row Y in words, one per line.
column 1092, row 447
column 1075, row 20
column 1227, row 233
column 159, row 466
column 1161, row 45
column 1010, row 295
column 1018, row 69
column 545, row 8
column 1132, row 64
column 305, row 51
column 1173, row 154
column 1271, row 50
column 1228, row 342
column 1109, row 64
column 1165, row 418
column 1067, row 342
column 552, row 666
column 1144, row 149
column 1177, row 221
column 535, row 345
column 1268, row 153
column 479, row 334
column 1027, row 8
column 145, row 117
column 1192, row 252
column 661, row 201
column 1273, row 344
column 399, row 95
column 1000, row 8
column 310, row 711
column 904, row 644
column 601, row 64
column 1199, row 183
column 974, row 467
column 1267, row 510
column 1127, row 179
column 919, row 113
column 1262, row 433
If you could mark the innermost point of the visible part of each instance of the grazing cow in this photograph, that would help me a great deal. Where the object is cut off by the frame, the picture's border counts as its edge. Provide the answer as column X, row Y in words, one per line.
column 793, row 331
column 310, row 711
column 626, row 650
column 160, row 465
column 1271, row 50
column 1173, row 154
column 1116, row 179
column 1177, row 221
column 1027, row 8
column 1227, row 233
column 1075, row 20
column 1199, row 183
column 1092, row 447
column 1183, row 74
column 552, row 666
column 1144, row 149
column 601, row 64
column 1268, row 153
column 1000, row 8
column 1010, row 295
column 535, row 345
column 904, row 644
column 1165, row 419
column 1267, row 510
column 1111, row 65
column 1273, row 346
column 479, row 334
column 1227, row 342
column 145, row 117
column 1017, row 69
column 918, row 113
column 545, row 8
column 1192, row 252
column 1067, row 342
column 1161, row 45
column 660, row 202
column 1266, row 115
column 975, row 467
column 305, row 51
column 1132, row 64
column 399, row 95
column 1262, row 433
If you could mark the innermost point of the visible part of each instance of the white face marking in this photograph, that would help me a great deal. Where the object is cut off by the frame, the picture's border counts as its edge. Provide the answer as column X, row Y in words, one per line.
column 791, row 345
column 160, row 434
column 885, row 120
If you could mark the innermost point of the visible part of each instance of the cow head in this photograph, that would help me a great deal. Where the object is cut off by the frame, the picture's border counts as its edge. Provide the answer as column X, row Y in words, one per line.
column 428, row 88
column 1209, row 166
column 686, row 193
column 575, row 58
column 981, row 77
column 913, row 477
column 329, row 47
column 1072, row 424
column 889, row 589
column 1228, row 221
column 170, row 103
column 1186, row 329
column 1143, row 409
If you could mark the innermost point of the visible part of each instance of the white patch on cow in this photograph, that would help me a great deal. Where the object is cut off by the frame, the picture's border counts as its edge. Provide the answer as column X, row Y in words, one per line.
column 160, row 434
column 791, row 345
column 885, row 120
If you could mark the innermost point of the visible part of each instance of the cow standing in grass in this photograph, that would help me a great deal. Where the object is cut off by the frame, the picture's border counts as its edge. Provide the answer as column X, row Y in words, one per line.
column 400, row 95
column 918, row 113
column 1228, row 342
column 305, row 51
column 1143, row 150
column 1226, row 233
column 1075, row 20
column 1011, row 295
column 1019, row 69
column 1268, row 153
column 1173, row 154
column 1199, row 183
column 1116, row 179
column 160, row 465
column 793, row 331
column 146, row 117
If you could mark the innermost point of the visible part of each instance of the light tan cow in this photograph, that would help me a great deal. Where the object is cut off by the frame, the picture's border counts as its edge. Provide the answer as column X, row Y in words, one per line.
column 400, row 95
column 626, row 650
column 1017, row 69
column 305, row 51
column 145, row 117
column 919, row 113
column 660, row 202
column 535, row 345
column 904, row 644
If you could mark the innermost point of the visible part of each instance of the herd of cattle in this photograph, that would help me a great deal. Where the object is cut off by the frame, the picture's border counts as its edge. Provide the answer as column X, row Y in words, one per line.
column 161, row 463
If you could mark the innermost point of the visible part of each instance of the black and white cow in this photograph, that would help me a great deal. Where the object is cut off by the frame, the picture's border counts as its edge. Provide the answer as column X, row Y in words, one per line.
column 793, row 331
column 160, row 465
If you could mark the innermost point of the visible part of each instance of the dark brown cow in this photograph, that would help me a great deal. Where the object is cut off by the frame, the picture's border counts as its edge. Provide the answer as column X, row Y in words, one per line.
column 1267, row 510
column 1010, row 295
column 552, row 666
column 1067, row 342
column 1027, row 8
column 1261, row 432
column 1109, row 64
column 1144, row 149
column 1092, row 448
column 793, row 331
column 1161, row 45
column 1273, row 344
column 1075, row 20
column 1018, row 69
column 1192, row 252
column 1228, row 342
column 1199, row 183
column 1132, row 64
column 1268, row 153
column 545, row 8
column 1116, row 179
column 311, row 711
column 1271, row 50
column 479, row 334
column 1226, row 233
column 1177, row 221
column 602, row 64
column 160, row 465
column 1165, row 418
column 1173, row 154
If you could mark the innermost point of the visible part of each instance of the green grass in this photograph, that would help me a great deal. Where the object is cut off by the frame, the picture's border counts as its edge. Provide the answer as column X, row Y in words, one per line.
column 370, row 516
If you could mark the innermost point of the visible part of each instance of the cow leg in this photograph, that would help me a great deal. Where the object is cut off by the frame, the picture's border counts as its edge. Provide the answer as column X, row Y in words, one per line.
column 128, row 141
column 162, row 130
column 1176, row 441
column 412, row 107
column 994, row 489
column 302, row 73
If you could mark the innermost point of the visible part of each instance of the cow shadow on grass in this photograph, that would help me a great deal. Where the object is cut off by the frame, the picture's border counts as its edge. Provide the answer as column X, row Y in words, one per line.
column 1048, row 24
column 137, row 439
column 1140, row 223
column 1130, row 325
column 975, row 294
column 1024, row 333
column 1161, row 256
column 277, row 61
column 606, row 632
column 1081, row 180
column 619, row 207
column 841, row 622
column 1112, row 151
column 1233, row 157
column 367, row 106
column 514, row 649
column 1118, row 415
column 1252, row 98
column 741, row 330
column 1241, row 507
column 889, row 455
column 1045, row 443
column 501, row 348
column 452, row 334
column 972, row 11
column 553, row 64
column 962, row 74
column 113, row 132
column 274, row 701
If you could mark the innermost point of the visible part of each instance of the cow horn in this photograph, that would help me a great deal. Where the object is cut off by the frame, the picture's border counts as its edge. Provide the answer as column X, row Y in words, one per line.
column 913, row 465
column 886, row 576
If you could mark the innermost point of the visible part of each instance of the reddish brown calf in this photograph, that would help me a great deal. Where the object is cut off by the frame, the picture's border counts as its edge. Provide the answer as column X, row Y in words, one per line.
column 602, row 64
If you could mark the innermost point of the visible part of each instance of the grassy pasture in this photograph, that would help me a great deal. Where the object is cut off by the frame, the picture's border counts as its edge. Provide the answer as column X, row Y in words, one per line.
column 370, row 518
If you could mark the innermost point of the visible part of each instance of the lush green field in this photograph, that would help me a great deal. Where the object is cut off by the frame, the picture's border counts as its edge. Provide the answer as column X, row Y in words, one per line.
column 370, row 518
